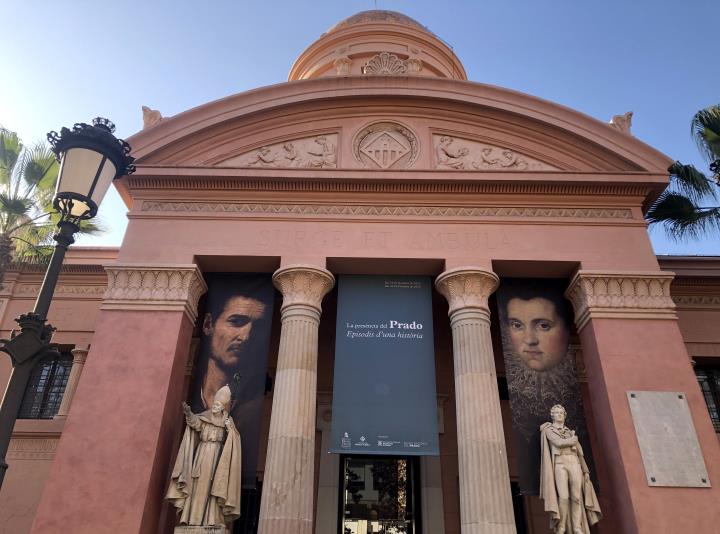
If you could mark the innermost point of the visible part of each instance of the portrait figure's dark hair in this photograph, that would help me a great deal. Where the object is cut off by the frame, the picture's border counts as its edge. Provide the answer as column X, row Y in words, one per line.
column 226, row 286
column 548, row 289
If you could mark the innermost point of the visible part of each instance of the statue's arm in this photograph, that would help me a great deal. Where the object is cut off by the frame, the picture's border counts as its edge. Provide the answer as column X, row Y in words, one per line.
column 561, row 442
column 192, row 420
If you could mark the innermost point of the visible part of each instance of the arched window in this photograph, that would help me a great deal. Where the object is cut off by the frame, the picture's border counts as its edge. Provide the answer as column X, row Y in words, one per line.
column 46, row 387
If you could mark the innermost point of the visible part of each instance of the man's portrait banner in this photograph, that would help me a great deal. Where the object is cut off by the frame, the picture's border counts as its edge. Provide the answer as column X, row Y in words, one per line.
column 384, row 399
column 234, row 351
column 535, row 325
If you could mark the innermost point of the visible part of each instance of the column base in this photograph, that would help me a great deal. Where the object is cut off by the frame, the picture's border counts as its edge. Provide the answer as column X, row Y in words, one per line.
column 190, row 529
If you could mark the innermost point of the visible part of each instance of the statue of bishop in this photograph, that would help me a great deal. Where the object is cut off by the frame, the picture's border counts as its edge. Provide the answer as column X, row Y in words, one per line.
column 206, row 481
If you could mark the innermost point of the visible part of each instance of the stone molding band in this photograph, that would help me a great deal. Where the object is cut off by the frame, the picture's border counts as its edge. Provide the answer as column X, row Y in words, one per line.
column 382, row 210
column 616, row 295
column 154, row 287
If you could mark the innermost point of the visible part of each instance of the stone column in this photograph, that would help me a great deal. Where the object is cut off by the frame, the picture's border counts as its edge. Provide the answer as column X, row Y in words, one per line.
column 79, row 357
column 485, row 498
column 287, row 499
column 120, row 437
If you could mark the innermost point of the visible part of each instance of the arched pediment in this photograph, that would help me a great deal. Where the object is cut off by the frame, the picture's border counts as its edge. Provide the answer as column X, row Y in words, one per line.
column 386, row 123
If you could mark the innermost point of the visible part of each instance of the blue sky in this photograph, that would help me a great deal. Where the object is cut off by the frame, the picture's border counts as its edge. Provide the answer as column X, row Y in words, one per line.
column 69, row 61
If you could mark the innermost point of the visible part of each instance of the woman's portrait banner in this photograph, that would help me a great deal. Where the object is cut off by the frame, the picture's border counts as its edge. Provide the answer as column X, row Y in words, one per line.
column 535, row 324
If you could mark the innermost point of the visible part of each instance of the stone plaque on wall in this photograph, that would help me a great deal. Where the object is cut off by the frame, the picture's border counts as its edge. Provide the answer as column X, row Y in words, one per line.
column 668, row 443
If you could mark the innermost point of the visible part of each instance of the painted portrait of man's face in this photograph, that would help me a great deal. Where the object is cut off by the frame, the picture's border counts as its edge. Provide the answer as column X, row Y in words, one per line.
column 538, row 334
column 230, row 335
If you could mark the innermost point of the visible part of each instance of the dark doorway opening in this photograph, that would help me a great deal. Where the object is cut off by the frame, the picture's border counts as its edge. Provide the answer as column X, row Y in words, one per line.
column 379, row 495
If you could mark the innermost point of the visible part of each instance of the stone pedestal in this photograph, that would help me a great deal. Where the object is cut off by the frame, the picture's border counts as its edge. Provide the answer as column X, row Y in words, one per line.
column 485, row 498
column 201, row 530
column 287, row 498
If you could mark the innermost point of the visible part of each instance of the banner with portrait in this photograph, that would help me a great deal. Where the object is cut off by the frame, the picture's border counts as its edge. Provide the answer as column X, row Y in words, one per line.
column 535, row 324
column 234, row 350
column 384, row 399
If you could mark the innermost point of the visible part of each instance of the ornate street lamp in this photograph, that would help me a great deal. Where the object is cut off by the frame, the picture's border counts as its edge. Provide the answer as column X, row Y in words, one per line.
column 90, row 157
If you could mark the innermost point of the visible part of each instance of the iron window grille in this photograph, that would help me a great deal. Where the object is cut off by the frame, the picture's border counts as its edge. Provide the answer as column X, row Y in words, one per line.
column 709, row 379
column 46, row 387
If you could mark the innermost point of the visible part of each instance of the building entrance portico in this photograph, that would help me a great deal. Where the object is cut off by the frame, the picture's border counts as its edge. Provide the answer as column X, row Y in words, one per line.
column 378, row 158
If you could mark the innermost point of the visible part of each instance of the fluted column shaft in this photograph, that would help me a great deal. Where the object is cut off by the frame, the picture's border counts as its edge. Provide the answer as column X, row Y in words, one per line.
column 79, row 357
column 485, row 498
column 287, row 499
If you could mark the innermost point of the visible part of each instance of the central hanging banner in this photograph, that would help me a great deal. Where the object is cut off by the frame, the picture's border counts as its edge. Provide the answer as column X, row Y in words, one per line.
column 384, row 399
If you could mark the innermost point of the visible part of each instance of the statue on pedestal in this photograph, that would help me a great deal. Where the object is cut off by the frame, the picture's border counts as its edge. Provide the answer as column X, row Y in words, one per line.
column 206, row 481
column 565, row 484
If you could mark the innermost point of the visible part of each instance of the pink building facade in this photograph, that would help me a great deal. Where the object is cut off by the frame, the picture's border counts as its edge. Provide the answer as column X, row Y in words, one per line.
column 378, row 156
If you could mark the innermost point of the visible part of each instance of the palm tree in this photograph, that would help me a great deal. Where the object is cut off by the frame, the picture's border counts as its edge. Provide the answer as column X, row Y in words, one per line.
column 27, row 184
column 680, row 207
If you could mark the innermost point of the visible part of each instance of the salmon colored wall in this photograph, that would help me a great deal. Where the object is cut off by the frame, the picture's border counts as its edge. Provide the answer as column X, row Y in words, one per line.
column 646, row 354
column 118, row 439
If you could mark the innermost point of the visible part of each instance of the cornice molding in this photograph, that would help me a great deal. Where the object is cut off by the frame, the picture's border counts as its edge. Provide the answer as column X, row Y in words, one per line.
column 381, row 210
column 154, row 288
column 613, row 295
column 329, row 184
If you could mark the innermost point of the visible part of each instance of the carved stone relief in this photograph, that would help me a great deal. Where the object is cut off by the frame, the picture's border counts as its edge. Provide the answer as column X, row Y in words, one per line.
column 461, row 154
column 622, row 122
column 385, row 64
column 342, row 65
column 317, row 152
column 386, row 145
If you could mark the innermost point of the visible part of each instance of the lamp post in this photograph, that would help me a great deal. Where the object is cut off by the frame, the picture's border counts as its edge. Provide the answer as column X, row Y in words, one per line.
column 90, row 158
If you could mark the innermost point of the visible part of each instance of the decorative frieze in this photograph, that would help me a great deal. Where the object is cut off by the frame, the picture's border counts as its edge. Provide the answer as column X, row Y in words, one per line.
column 316, row 152
column 463, row 154
column 384, row 210
column 31, row 290
column 697, row 301
column 32, row 448
column 169, row 287
column 600, row 294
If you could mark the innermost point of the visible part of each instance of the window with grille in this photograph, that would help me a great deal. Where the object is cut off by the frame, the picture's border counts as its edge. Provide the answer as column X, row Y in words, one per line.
column 46, row 387
column 709, row 379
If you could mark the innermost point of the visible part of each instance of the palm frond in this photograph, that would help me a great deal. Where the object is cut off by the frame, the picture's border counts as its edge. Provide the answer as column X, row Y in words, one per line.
column 705, row 129
column 692, row 183
column 682, row 218
column 41, row 169
column 10, row 149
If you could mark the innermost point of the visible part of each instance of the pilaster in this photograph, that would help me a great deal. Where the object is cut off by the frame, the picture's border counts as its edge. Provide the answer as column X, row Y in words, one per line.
column 79, row 357
column 119, row 438
column 631, row 341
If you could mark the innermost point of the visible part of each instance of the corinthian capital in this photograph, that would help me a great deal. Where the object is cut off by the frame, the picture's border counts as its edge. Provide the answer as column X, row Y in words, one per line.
column 467, row 287
column 303, row 285
column 604, row 294
column 154, row 287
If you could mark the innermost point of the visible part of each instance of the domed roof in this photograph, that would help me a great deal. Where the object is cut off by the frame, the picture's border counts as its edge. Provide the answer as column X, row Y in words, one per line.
column 378, row 42
column 377, row 16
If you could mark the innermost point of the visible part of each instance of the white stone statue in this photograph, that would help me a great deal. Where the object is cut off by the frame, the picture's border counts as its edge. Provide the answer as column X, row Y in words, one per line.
column 206, row 481
column 565, row 484
column 622, row 122
column 151, row 117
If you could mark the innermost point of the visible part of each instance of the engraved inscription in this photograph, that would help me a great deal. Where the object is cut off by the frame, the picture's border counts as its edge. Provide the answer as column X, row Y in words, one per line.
column 668, row 443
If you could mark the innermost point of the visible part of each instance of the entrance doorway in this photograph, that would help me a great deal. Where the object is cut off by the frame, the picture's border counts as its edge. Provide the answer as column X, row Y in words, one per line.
column 379, row 495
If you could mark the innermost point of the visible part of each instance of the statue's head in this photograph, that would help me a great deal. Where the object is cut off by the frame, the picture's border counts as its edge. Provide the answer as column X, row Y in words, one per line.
column 558, row 414
column 222, row 400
